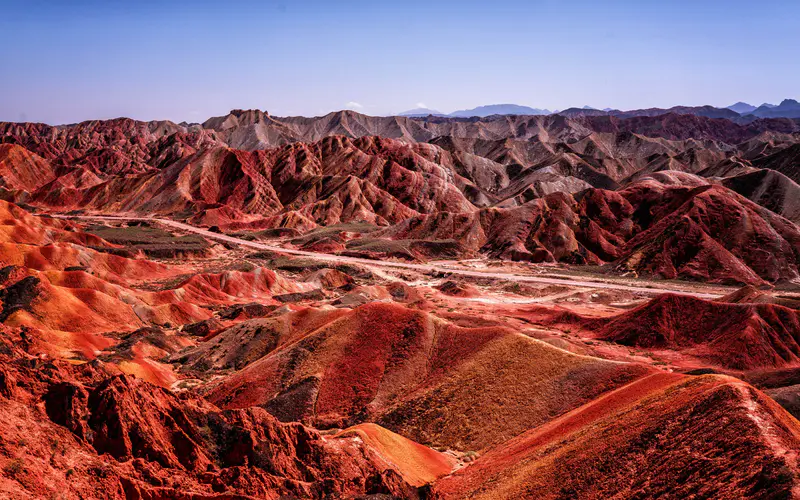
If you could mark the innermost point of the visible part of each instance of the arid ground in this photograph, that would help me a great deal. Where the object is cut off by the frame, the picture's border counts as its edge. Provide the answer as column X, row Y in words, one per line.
column 579, row 305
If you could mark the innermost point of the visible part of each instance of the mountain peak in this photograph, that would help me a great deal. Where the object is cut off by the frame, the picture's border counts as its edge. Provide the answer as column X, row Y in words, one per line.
column 421, row 112
column 498, row 109
column 788, row 108
column 742, row 108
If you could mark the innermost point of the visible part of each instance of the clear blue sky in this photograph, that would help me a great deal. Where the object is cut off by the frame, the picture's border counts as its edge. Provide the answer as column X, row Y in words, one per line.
column 67, row 61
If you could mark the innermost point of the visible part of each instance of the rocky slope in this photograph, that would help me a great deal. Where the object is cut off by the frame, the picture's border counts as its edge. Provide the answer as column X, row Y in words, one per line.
column 770, row 189
column 85, row 432
column 706, row 233
column 634, row 443
column 418, row 366
column 83, row 340
column 742, row 336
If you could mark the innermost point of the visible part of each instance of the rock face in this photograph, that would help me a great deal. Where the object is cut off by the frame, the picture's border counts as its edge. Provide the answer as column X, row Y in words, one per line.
column 708, row 233
column 22, row 170
column 151, row 443
column 784, row 160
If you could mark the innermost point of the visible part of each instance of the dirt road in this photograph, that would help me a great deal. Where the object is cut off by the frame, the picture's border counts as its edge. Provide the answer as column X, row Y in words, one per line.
column 654, row 288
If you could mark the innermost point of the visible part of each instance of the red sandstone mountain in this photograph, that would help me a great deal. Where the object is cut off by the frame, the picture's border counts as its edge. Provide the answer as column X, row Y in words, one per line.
column 417, row 367
column 21, row 170
column 490, row 176
column 770, row 189
column 662, row 436
column 741, row 336
column 705, row 233
column 97, row 426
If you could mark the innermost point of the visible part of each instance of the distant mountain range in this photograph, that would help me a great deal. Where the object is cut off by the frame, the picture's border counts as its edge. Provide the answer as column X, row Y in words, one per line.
column 742, row 108
column 789, row 108
column 480, row 111
column 423, row 112
column 498, row 109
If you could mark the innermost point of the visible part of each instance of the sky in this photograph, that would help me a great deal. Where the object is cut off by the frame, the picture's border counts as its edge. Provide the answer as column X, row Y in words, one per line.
column 187, row 60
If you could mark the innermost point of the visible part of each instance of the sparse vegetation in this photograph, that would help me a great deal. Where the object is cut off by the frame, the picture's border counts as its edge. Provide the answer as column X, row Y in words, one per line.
column 14, row 468
column 56, row 448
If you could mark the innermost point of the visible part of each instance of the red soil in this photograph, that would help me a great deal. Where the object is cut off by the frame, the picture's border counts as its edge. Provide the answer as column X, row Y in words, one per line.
column 74, row 296
column 72, row 309
column 229, row 287
column 22, row 170
column 60, row 256
column 417, row 464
